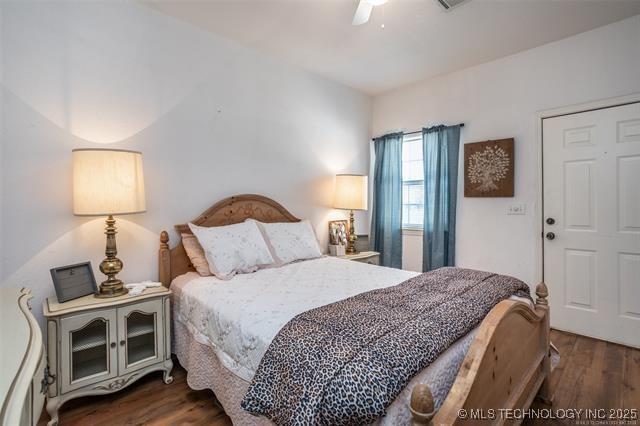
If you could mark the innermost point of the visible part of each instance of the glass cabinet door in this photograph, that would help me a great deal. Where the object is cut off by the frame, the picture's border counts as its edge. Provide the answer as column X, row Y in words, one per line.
column 141, row 335
column 90, row 354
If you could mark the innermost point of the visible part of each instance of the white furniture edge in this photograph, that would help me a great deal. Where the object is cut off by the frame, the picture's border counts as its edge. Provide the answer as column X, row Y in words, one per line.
column 13, row 405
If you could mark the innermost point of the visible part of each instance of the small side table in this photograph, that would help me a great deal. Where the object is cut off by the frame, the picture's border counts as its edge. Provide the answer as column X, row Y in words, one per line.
column 370, row 257
column 99, row 346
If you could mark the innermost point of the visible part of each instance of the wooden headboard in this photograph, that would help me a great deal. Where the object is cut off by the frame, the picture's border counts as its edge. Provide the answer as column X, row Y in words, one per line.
column 236, row 209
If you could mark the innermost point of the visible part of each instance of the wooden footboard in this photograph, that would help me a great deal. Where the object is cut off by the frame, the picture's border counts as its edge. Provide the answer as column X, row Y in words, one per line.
column 508, row 363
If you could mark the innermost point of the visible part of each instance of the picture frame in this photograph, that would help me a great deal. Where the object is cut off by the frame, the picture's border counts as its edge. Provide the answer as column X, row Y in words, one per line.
column 338, row 232
column 489, row 168
column 73, row 281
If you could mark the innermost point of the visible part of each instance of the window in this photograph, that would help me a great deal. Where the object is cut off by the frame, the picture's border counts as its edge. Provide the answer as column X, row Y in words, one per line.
column 412, row 182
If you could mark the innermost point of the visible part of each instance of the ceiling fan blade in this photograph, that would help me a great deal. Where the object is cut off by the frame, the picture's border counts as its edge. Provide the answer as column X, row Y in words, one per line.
column 362, row 13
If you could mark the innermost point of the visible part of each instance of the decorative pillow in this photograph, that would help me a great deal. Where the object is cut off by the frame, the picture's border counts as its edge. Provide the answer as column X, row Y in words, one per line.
column 290, row 241
column 196, row 254
column 233, row 249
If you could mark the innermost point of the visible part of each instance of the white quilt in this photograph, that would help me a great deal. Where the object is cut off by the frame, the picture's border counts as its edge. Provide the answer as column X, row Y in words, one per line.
column 239, row 318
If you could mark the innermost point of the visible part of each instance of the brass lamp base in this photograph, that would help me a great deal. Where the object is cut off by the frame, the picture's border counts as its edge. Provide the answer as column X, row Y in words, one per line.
column 111, row 265
column 108, row 289
column 351, row 242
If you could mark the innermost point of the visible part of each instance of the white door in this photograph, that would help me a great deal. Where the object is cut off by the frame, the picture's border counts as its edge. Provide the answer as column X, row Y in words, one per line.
column 592, row 222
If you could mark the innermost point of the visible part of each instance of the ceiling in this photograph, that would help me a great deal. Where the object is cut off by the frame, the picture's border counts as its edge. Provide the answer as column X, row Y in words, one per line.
column 419, row 38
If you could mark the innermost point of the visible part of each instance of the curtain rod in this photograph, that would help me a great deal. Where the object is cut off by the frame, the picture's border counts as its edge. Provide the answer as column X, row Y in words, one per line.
column 420, row 131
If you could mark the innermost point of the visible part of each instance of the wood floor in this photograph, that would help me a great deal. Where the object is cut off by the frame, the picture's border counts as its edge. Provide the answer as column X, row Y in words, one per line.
column 591, row 374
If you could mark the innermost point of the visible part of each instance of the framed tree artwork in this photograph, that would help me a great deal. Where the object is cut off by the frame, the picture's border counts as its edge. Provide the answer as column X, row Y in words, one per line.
column 488, row 168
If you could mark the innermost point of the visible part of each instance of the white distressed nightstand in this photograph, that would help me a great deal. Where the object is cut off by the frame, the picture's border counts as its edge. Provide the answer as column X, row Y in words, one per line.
column 98, row 346
column 370, row 257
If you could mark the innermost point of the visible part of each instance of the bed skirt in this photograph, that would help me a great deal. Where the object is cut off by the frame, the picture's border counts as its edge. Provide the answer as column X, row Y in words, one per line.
column 205, row 371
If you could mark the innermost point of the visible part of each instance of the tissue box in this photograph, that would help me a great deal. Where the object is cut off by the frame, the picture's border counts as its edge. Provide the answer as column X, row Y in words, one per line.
column 336, row 250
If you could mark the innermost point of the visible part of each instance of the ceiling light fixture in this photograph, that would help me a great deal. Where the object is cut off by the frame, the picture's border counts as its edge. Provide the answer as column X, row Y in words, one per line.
column 363, row 12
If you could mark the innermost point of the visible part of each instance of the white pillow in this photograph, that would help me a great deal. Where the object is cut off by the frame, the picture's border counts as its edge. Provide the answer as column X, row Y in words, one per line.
column 290, row 241
column 232, row 249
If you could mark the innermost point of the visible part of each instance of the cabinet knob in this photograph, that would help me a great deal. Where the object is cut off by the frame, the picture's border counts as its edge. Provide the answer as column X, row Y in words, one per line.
column 113, row 344
column 550, row 235
column 122, row 342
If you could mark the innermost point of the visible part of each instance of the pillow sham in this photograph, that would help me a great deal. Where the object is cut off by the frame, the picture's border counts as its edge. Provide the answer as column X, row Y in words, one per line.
column 196, row 254
column 290, row 241
column 232, row 249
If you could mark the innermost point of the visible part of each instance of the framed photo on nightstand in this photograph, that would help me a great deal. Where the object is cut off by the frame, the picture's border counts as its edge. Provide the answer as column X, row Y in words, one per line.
column 338, row 232
column 73, row 281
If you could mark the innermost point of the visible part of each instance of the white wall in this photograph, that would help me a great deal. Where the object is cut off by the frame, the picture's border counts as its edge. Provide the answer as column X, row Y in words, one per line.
column 500, row 100
column 212, row 119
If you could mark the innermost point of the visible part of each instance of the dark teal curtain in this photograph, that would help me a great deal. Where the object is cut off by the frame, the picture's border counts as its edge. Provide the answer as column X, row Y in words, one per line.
column 440, row 147
column 386, row 218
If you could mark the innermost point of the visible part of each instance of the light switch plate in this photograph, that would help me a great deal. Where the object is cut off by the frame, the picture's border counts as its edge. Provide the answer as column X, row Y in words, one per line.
column 518, row 208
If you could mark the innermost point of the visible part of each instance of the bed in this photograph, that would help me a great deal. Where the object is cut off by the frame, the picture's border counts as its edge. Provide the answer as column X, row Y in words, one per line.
column 222, row 331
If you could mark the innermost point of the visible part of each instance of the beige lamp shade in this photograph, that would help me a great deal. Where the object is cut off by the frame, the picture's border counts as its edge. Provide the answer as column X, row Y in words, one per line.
column 107, row 182
column 351, row 192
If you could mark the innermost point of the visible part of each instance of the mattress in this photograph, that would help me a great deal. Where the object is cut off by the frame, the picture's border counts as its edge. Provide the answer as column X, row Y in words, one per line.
column 236, row 320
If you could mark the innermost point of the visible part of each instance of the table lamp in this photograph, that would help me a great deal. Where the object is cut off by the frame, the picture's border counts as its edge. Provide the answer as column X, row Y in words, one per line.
column 108, row 182
column 351, row 194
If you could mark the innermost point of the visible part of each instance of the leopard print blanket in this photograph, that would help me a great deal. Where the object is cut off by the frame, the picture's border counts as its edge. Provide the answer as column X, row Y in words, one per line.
column 344, row 363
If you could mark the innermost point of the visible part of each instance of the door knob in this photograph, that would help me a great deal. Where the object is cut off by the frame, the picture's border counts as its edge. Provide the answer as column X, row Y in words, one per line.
column 113, row 344
column 550, row 235
column 122, row 342
column 550, row 221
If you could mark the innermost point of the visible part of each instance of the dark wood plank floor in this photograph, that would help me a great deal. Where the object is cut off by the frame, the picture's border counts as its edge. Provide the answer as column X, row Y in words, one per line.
column 591, row 374
column 146, row 402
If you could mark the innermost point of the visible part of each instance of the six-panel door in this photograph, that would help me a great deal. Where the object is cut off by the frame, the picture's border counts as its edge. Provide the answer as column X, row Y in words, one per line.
column 592, row 222
column 140, row 335
column 89, row 349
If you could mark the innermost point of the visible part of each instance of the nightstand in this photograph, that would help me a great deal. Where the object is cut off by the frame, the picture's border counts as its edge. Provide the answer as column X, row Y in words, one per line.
column 99, row 346
column 370, row 257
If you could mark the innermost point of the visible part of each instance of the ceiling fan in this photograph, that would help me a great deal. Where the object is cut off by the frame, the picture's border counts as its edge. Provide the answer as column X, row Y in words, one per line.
column 365, row 7
column 363, row 12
